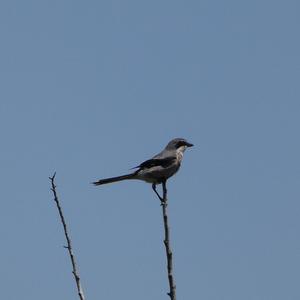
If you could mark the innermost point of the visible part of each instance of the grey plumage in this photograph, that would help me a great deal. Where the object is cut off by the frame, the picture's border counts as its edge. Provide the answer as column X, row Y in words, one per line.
column 157, row 169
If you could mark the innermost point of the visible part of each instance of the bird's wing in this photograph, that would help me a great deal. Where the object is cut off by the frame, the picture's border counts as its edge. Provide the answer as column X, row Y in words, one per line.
column 153, row 162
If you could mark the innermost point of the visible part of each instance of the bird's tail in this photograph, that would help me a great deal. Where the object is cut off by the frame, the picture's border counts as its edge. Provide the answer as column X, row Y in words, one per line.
column 114, row 179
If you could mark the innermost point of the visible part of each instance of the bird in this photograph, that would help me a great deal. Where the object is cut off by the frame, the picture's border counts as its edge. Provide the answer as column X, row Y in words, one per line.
column 159, row 168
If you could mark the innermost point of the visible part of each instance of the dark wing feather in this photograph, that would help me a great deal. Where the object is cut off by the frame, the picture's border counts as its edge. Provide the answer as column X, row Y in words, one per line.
column 153, row 162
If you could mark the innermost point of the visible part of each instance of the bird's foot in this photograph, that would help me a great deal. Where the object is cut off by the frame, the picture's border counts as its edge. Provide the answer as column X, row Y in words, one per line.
column 157, row 194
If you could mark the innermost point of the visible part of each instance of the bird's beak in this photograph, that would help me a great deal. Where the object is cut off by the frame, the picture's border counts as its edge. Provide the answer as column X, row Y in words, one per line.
column 189, row 144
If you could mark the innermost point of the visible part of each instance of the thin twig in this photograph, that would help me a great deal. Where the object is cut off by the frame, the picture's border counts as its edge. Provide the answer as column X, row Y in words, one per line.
column 164, row 204
column 69, row 243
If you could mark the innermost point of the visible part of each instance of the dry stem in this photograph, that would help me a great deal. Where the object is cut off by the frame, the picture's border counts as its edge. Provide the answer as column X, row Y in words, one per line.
column 169, row 254
column 69, row 243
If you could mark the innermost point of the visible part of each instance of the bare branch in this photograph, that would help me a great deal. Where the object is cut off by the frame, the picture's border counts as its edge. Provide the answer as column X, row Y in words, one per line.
column 69, row 243
column 169, row 254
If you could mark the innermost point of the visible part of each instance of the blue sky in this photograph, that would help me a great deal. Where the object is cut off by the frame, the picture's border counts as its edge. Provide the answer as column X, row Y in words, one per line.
column 91, row 89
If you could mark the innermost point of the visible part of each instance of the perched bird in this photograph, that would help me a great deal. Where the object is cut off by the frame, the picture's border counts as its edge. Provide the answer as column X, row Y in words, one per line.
column 159, row 168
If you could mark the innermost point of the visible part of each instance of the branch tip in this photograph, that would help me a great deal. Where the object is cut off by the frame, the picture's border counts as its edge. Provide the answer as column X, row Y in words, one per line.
column 53, row 177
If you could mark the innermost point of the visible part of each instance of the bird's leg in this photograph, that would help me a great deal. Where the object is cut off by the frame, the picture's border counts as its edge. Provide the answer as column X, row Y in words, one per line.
column 158, row 195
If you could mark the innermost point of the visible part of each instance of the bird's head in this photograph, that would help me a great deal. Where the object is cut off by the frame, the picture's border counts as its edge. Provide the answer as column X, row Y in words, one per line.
column 179, row 144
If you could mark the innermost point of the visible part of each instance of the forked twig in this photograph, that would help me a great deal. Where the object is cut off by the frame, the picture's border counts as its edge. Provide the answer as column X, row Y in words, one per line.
column 69, row 244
